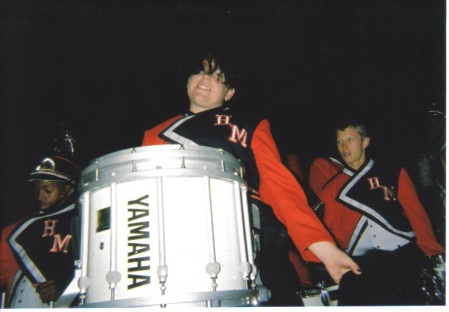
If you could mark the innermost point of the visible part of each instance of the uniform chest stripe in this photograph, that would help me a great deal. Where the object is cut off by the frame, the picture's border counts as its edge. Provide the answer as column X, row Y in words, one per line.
column 169, row 133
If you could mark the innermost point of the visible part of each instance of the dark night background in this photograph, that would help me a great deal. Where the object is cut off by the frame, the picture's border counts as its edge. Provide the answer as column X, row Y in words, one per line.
column 109, row 70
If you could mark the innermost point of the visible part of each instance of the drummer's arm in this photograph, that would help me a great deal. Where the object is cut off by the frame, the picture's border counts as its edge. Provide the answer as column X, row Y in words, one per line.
column 335, row 260
column 280, row 190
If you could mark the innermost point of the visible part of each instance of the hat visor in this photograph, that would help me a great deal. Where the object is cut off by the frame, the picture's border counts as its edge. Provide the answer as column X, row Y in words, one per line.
column 47, row 176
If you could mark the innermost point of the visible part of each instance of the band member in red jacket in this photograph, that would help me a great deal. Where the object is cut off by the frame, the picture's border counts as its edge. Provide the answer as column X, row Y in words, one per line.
column 37, row 254
column 373, row 212
column 212, row 122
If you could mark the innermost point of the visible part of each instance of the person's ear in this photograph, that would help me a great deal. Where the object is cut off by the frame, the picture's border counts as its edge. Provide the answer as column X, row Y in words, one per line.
column 366, row 141
column 229, row 94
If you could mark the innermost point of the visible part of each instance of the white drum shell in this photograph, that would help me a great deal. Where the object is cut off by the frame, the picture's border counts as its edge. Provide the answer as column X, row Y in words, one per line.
column 170, row 206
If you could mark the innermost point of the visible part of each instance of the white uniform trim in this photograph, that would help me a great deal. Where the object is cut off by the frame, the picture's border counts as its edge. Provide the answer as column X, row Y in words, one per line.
column 24, row 295
column 176, row 137
column 370, row 235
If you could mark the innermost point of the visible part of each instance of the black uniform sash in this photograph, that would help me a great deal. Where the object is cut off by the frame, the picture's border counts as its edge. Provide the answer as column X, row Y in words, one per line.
column 372, row 191
column 221, row 127
column 41, row 245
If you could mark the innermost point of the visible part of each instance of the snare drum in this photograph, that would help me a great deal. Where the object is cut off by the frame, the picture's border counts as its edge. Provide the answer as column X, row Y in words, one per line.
column 166, row 225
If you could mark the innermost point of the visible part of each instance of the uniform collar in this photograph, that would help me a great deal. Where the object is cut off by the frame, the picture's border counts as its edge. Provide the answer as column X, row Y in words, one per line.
column 209, row 111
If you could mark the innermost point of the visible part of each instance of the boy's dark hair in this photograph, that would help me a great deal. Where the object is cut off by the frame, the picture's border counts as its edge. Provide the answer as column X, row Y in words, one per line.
column 215, row 61
column 359, row 127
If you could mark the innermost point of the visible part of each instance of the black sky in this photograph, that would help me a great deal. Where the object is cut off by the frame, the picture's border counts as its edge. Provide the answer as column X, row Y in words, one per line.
column 108, row 70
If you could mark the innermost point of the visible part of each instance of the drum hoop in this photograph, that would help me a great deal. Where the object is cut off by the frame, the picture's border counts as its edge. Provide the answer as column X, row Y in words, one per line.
column 92, row 184
column 243, row 296
column 128, row 163
column 141, row 153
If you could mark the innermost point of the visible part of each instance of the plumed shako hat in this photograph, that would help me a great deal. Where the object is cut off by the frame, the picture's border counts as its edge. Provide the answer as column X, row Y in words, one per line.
column 57, row 169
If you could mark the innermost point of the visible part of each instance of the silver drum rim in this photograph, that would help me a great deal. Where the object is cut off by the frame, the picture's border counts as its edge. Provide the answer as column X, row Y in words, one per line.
column 171, row 160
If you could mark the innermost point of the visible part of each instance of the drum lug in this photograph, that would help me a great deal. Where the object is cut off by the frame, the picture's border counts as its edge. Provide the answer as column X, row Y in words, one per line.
column 223, row 166
column 245, row 268
column 213, row 269
column 83, row 284
column 162, row 273
column 183, row 162
column 134, row 166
